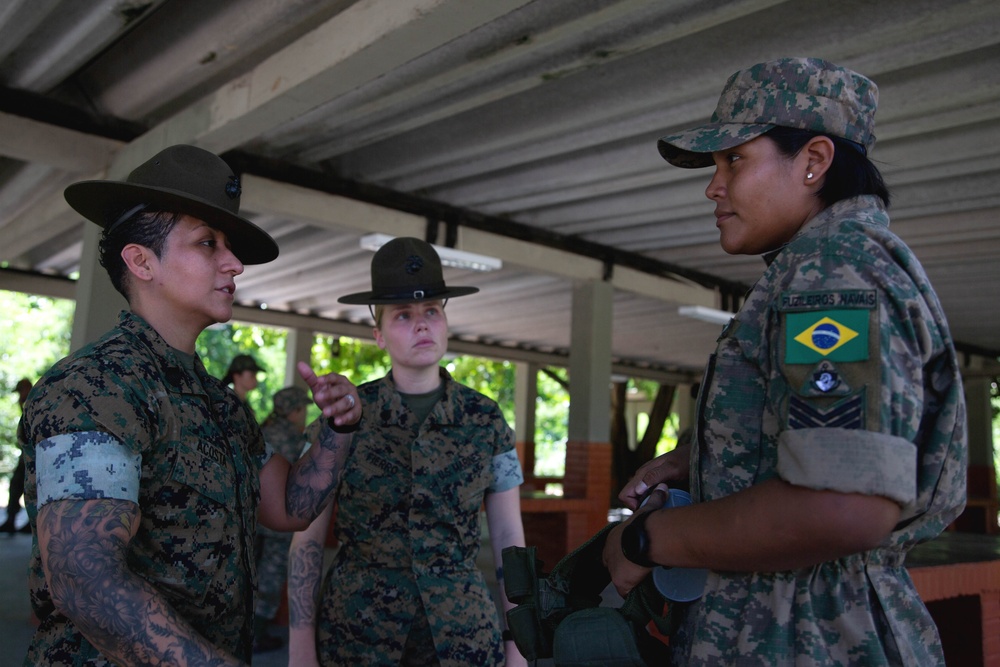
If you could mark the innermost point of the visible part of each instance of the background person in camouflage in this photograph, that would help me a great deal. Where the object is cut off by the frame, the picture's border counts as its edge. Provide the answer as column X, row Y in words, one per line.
column 830, row 435
column 16, row 489
column 144, row 473
column 242, row 374
column 284, row 433
column 404, row 588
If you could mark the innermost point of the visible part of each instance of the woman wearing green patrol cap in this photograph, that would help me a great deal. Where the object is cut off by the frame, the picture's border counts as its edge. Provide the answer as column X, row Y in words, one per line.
column 830, row 436
column 404, row 587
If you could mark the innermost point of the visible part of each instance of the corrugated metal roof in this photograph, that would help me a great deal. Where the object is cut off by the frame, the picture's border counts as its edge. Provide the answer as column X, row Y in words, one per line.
column 521, row 129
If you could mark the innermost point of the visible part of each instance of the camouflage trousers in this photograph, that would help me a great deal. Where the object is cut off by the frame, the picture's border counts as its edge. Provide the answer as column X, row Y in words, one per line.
column 271, row 551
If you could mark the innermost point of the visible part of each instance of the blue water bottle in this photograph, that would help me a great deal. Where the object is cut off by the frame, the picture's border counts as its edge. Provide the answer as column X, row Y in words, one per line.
column 680, row 584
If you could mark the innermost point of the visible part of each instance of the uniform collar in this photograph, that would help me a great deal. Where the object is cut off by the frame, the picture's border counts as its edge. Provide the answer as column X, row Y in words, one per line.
column 393, row 411
column 867, row 209
column 175, row 363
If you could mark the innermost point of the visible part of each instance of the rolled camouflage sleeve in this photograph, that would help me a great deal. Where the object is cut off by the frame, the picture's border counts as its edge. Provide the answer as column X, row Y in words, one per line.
column 849, row 461
column 506, row 472
column 855, row 335
column 86, row 465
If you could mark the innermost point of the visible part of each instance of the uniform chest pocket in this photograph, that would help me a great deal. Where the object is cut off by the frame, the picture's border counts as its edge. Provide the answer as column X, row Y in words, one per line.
column 204, row 468
column 467, row 478
column 374, row 480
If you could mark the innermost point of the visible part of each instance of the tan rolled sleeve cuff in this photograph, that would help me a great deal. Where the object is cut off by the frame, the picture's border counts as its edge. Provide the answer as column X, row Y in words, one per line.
column 850, row 461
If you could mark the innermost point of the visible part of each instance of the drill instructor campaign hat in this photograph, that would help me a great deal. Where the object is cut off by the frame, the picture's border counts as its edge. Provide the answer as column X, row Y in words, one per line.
column 406, row 270
column 801, row 93
column 179, row 179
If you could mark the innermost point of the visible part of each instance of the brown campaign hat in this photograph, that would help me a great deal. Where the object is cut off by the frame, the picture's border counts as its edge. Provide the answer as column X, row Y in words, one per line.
column 180, row 179
column 240, row 363
column 406, row 270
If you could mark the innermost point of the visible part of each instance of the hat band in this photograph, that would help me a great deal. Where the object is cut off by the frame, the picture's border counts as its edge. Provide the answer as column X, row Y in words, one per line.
column 123, row 217
column 415, row 295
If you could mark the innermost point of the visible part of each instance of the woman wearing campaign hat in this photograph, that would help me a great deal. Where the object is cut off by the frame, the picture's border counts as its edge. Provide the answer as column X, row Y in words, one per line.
column 404, row 587
column 242, row 374
column 146, row 476
column 830, row 436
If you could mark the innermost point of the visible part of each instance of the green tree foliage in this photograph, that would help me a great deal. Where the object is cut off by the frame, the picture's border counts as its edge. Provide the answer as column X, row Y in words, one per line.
column 35, row 335
column 217, row 345
column 495, row 379
column 551, row 423
column 358, row 360
column 671, row 428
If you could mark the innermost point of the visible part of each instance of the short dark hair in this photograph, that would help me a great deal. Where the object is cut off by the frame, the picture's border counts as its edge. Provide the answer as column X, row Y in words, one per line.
column 850, row 175
column 148, row 229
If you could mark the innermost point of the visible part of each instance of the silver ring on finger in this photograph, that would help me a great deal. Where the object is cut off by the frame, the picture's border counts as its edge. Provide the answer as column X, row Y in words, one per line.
column 350, row 398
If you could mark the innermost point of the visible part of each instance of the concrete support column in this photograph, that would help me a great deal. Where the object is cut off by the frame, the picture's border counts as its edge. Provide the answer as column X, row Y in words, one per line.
column 588, row 449
column 590, row 363
column 97, row 301
column 525, row 398
column 298, row 347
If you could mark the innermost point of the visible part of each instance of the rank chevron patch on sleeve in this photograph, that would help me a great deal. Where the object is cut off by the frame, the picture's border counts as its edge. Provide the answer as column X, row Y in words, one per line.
column 846, row 413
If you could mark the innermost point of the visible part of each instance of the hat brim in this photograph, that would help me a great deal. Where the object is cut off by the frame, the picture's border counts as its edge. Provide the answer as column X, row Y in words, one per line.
column 370, row 298
column 692, row 149
column 102, row 201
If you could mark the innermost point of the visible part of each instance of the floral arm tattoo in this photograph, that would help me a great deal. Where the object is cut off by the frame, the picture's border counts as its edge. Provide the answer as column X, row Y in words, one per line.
column 313, row 480
column 84, row 546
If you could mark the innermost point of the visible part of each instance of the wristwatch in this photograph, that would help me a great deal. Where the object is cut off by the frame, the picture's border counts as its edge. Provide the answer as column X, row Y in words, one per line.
column 635, row 541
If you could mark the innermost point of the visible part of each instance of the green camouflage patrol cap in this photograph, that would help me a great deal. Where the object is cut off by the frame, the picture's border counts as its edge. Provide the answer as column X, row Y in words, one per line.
column 287, row 400
column 803, row 93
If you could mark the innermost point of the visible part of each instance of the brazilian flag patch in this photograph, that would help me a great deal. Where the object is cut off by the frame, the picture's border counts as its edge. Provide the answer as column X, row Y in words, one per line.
column 834, row 335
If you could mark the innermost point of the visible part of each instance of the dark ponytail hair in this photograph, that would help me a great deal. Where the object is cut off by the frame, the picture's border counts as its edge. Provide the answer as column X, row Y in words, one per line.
column 850, row 175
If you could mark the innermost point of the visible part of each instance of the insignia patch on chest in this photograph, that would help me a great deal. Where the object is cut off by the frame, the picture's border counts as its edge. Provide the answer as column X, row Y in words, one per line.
column 846, row 413
column 835, row 335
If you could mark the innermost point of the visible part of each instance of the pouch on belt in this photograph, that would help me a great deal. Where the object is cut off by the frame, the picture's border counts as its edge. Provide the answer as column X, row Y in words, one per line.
column 559, row 615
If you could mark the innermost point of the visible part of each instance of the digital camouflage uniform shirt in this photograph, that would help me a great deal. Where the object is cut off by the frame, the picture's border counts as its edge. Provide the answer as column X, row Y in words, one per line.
column 838, row 373
column 408, row 521
column 131, row 418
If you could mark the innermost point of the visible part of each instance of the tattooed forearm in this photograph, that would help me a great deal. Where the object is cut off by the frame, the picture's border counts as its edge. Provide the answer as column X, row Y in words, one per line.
column 305, row 573
column 84, row 548
column 313, row 480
